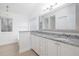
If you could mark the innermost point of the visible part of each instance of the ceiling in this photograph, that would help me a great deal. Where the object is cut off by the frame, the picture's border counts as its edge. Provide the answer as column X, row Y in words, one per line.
column 27, row 9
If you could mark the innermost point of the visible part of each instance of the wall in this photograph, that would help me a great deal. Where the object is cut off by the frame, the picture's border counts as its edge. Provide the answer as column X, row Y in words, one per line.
column 20, row 23
column 34, row 24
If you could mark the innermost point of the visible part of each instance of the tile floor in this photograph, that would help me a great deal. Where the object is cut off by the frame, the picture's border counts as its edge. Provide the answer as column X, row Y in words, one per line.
column 28, row 53
column 13, row 50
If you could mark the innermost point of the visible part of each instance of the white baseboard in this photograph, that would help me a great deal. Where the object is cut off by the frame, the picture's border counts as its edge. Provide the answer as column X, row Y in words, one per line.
column 9, row 42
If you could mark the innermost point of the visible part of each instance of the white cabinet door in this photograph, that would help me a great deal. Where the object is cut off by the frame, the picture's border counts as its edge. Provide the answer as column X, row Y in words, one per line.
column 43, row 45
column 52, row 48
column 69, row 50
column 35, row 44
column 76, row 51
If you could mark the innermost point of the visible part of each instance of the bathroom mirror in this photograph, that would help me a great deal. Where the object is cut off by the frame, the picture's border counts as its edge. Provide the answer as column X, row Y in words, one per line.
column 40, row 23
column 52, row 22
column 45, row 23
column 64, row 19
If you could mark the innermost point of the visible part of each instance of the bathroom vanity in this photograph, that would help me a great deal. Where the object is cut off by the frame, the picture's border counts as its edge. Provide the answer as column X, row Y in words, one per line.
column 64, row 18
column 46, row 44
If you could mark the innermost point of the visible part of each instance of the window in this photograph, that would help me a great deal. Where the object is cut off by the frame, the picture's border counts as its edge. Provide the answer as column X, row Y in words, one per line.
column 6, row 24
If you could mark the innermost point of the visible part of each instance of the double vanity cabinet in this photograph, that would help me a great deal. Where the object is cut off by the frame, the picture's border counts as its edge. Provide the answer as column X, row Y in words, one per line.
column 49, row 47
column 64, row 18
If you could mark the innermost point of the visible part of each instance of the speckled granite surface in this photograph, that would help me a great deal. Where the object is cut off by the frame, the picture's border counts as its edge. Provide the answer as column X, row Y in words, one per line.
column 72, row 39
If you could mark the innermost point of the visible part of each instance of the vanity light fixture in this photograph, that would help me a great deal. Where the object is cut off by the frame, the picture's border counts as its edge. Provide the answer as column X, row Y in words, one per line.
column 56, row 4
column 50, row 7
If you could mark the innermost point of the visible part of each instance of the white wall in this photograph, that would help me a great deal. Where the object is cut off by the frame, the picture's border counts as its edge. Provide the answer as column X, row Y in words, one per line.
column 20, row 23
column 34, row 24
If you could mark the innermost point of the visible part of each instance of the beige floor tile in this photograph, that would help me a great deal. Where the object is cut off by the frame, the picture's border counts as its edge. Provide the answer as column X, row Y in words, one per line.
column 28, row 53
column 13, row 50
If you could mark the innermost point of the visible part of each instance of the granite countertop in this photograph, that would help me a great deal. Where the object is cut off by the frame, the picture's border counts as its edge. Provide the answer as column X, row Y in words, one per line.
column 59, row 38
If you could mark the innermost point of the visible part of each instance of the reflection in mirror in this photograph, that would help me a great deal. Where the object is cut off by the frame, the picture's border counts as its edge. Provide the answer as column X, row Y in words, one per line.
column 64, row 19
column 52, row 22
column 40, row 23
column 45, row 23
